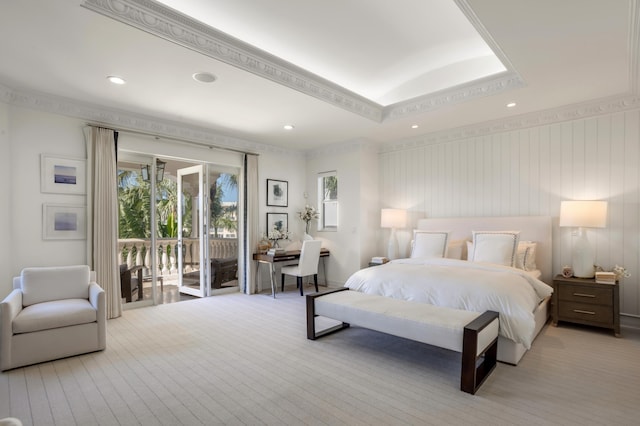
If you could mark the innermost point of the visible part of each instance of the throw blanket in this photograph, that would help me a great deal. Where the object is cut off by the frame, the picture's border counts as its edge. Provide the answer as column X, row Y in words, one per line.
column 460, row 284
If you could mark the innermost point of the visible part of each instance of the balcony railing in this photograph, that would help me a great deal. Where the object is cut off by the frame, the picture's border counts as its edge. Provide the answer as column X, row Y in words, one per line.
column 137, row 251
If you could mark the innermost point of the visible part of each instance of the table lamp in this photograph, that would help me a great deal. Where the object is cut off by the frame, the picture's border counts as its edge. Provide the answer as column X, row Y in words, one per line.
column 581, row 215
column 393, row 218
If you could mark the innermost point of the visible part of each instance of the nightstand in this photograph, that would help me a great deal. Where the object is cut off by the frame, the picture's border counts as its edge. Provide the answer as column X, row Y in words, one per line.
column 583, row 301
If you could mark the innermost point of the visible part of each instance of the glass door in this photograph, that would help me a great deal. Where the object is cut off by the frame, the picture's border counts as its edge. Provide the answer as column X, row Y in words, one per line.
column 194, row 268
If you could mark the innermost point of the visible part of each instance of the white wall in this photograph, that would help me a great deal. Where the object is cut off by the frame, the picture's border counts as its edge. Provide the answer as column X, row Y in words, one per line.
column 358, row 213
column 32, row 133
column 528, row 172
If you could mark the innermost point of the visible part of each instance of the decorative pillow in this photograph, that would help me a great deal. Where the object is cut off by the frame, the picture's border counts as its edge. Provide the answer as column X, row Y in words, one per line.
column 526, row 259
column 455, row 249
column 429, row 243
column 498, row 247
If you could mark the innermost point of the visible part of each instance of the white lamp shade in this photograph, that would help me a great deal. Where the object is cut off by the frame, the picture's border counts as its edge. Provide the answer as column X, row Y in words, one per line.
column 583, row 214
column 393, row 218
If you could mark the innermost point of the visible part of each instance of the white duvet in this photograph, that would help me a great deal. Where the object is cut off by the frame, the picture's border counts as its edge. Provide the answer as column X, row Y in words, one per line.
column 460, row 284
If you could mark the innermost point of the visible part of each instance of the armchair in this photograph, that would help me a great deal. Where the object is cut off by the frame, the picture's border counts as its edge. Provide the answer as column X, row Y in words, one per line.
column 52, row 312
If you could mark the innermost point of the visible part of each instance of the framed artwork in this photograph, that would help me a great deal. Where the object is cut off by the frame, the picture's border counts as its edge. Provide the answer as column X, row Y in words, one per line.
column 277, row 193
column 62, row 175
column 64, row 222
column 278, row 221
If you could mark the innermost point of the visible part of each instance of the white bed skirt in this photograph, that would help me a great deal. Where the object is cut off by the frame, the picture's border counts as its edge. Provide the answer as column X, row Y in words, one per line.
column 511, row 352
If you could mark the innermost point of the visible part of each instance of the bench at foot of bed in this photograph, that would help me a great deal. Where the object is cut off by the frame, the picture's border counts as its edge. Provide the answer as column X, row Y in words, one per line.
column 472, row 333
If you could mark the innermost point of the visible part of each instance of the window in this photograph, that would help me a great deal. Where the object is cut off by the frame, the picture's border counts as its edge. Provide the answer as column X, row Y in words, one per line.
column 328, row 200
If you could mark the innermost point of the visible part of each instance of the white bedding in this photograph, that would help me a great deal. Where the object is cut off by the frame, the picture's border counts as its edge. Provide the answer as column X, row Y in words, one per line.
column 460, row 284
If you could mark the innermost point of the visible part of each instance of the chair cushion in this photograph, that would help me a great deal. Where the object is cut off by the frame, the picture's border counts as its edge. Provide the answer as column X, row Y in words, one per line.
column 54, row 283
column 55, row 314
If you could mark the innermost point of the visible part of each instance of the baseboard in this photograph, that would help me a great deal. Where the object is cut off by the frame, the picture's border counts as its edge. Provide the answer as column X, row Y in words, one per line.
column 629, row 321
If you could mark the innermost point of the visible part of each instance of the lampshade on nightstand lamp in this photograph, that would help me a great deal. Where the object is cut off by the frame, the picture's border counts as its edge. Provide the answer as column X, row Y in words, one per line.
column 581, row 215
column 393, row 218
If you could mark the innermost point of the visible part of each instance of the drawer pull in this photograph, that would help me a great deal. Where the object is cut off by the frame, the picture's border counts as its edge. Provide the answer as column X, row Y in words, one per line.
column 580, row 311
column 584, row 295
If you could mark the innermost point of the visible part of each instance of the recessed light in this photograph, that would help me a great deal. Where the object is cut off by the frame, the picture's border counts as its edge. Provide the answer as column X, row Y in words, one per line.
column 511, row 104
column 116, row 80
column 289, row 126
column 414, row 126
column 204, row 77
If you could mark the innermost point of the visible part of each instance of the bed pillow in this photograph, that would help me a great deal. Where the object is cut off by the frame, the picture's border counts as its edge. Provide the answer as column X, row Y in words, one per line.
column 429, row 243
column 526, row 259
column 455, row 249
column 499, row 247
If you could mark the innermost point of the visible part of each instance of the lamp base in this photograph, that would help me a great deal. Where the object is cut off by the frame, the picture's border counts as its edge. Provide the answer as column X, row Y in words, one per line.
column 583, row 257
column 392, row 247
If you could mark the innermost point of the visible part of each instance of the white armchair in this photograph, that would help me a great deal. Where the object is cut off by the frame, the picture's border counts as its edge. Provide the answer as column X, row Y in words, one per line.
column 52, row 312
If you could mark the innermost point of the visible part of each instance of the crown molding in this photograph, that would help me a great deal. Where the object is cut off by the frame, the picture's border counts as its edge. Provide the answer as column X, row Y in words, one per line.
column 128, row 121
column 178, row 28
column 480, row 88
column 164, row 22
column 579, row 111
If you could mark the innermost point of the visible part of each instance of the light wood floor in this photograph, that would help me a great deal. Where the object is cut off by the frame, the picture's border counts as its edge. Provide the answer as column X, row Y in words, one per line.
column 237, row 359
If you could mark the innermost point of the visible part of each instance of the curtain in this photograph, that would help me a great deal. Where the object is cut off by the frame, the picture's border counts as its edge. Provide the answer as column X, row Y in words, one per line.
column 249, row 225
column 102, row 212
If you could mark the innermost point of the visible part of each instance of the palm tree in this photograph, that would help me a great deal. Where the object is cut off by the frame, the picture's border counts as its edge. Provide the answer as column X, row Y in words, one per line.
column 133, row 205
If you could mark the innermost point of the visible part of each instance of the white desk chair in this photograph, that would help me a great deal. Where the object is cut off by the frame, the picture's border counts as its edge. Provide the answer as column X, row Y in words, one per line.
column 307, row 265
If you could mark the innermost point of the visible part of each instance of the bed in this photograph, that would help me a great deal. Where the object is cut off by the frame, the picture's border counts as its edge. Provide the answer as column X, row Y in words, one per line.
column 518, row 291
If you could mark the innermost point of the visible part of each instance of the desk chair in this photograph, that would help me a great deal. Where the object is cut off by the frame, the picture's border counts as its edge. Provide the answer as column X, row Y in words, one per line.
column 307, row 265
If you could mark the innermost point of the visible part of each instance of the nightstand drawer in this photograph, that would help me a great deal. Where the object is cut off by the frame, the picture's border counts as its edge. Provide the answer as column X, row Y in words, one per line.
column 586, row 312
column 586, row 294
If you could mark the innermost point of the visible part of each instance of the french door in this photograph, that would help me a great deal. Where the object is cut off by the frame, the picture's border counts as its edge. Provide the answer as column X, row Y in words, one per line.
column 194, row 268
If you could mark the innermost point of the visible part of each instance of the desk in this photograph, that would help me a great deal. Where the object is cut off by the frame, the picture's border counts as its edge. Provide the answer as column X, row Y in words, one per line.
column 284, row 256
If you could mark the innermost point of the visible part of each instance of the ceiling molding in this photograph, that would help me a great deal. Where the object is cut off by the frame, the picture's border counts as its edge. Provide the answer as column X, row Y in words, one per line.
column 178, row 28
column 164, row 22
column 123, row 120
column 485, row 87
column 540, row 118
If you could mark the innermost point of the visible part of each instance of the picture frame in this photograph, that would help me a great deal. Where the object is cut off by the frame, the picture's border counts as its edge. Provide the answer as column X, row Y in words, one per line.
column 64, row 222
column 63, row 175
column 277, row 193
column 279, row 220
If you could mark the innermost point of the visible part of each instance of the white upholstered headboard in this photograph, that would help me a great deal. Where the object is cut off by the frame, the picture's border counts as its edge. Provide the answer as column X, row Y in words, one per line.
column 532, row 228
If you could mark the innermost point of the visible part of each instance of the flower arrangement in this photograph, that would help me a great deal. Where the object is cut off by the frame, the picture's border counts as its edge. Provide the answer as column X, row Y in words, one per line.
column 276, row 235
column 620, row 272
column 308, row 214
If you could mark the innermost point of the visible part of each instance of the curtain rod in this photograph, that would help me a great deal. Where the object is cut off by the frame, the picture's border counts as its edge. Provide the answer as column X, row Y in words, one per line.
column 185, row 141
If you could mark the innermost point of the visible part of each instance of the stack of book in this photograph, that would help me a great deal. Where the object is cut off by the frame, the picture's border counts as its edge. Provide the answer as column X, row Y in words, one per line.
column 605, row 278
column 379, row 260
column 275, row 250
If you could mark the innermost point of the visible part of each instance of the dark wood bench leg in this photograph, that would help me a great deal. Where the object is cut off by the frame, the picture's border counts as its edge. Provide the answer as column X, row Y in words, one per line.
column 473, row 374
column 311, row 316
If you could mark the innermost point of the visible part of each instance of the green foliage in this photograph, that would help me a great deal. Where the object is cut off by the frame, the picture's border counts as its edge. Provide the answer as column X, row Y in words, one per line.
column 222, row 216
column 135, row 209
column 133, row 206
